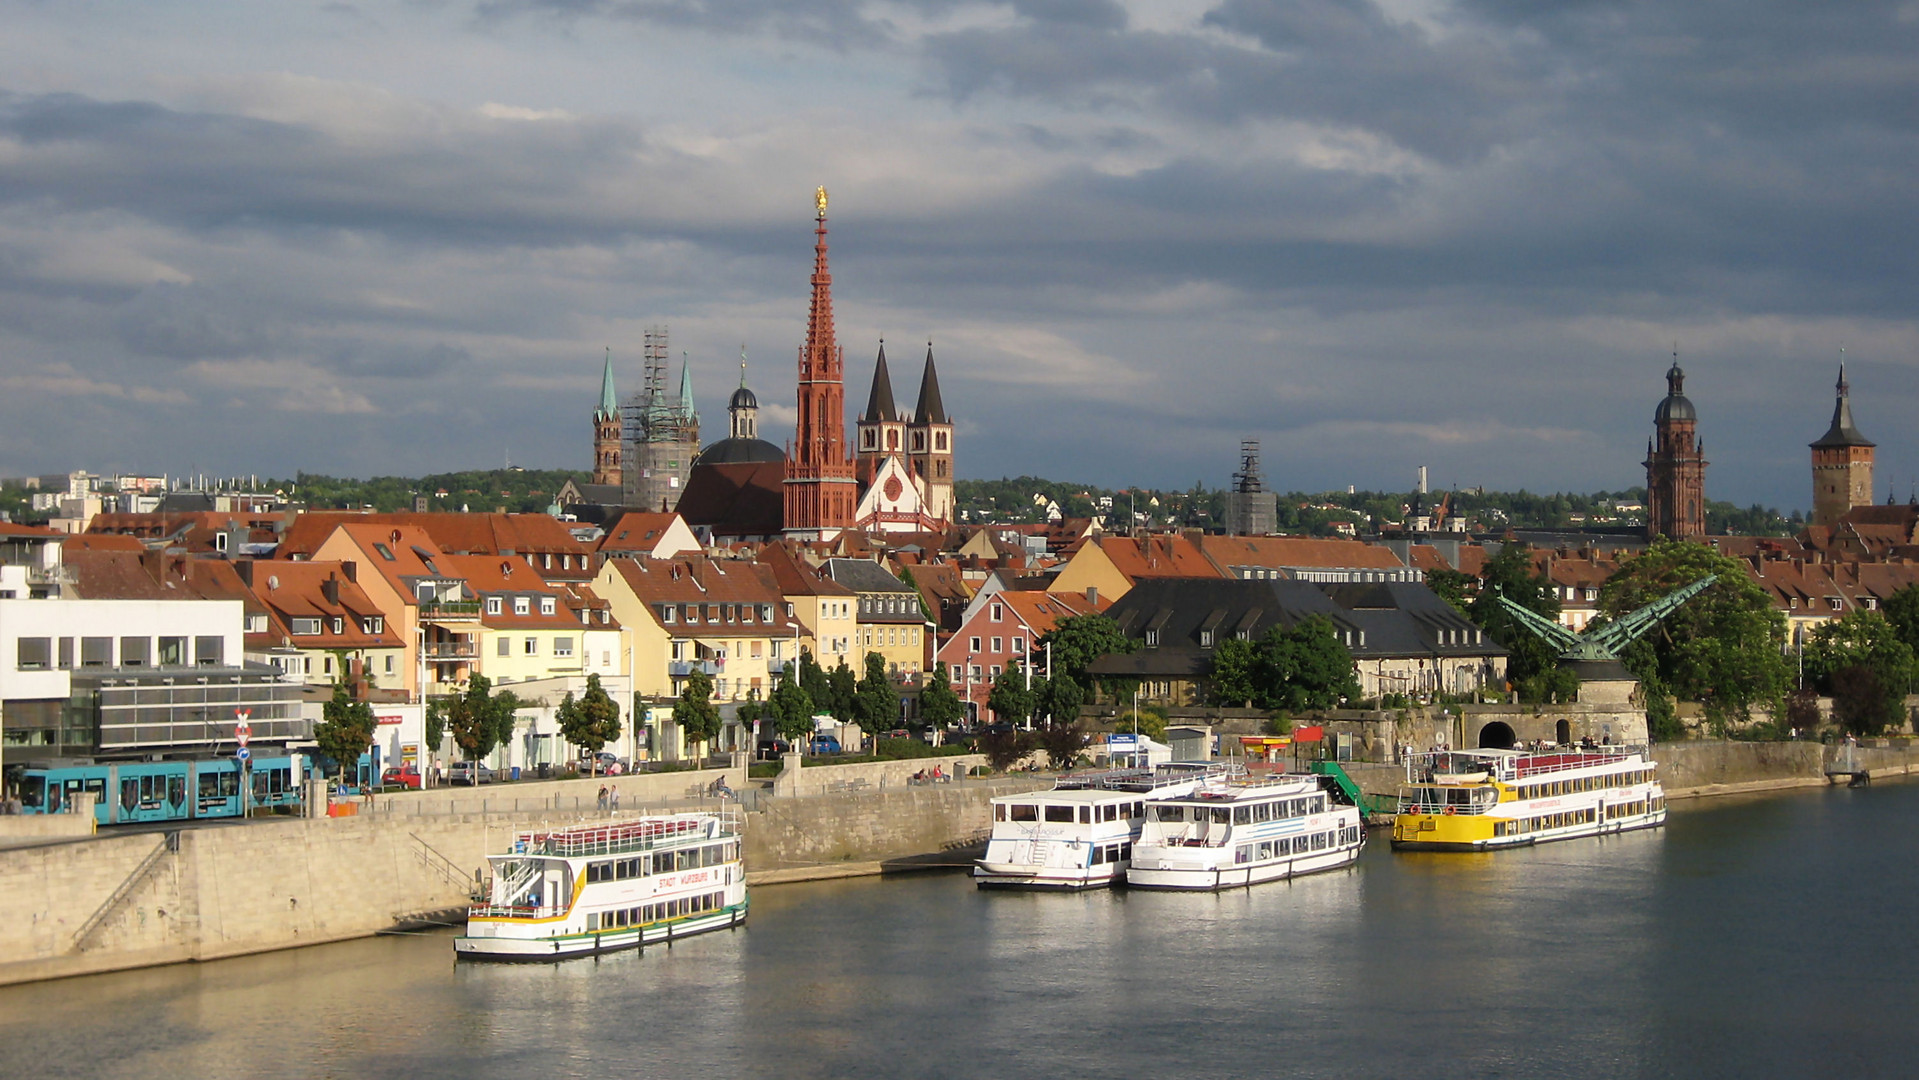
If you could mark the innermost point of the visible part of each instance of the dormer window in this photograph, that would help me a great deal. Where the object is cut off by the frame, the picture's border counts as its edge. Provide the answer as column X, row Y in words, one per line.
column 546, row 605
column 339, row 625
column 305, row 627
column 1152, row 638
column 1205, row 639
column 522, row 605
column 373, row 624
column 493, row 605
column 669, row 614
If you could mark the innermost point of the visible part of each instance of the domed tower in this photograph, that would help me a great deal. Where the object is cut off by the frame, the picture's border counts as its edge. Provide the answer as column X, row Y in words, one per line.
column 930, row 441
column 743, row 409
column 1675, row 465
column 1841, row 462
column 882, row 433
column 606, row 430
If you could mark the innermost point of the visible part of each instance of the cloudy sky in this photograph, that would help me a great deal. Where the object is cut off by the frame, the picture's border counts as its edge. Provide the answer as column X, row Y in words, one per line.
column 397, row 238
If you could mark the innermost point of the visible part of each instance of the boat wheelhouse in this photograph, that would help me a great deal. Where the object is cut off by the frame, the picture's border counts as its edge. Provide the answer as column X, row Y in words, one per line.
column 591, row 889
column 1242, row 831
column 1080, row 834
column 1475, row 800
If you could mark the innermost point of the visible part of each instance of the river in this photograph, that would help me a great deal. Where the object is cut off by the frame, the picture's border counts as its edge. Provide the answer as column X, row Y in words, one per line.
column 1752, row 937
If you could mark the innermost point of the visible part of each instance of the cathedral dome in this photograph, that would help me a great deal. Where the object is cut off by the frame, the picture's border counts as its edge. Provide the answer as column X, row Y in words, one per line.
column 1676, row 405
column 743, row 399
column 739, row 451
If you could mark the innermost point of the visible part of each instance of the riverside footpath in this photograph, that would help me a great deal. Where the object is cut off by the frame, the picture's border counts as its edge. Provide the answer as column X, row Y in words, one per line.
column 115, row 900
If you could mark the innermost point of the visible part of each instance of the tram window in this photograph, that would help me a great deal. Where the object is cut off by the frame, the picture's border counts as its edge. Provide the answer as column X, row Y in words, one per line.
column 129, row 793
column 176, row 791
column 1059, row 813
column 1025, row 812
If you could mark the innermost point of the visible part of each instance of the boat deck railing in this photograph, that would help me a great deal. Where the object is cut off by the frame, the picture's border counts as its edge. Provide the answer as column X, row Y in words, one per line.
column 513, row 911
column 643, row 834
column 1436, row 766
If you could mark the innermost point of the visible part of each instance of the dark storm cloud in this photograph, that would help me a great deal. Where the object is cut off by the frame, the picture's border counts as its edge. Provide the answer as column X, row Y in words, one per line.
column 479, row 183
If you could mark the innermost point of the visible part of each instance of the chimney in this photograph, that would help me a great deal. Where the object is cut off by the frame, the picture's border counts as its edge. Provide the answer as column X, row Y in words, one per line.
column 330, row 588
column 350, row 570
column 244, row 568
column 1092, row 595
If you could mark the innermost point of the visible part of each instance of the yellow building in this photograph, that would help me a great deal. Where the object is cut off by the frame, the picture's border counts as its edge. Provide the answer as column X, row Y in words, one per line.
column 888, row 617
column 726, row 618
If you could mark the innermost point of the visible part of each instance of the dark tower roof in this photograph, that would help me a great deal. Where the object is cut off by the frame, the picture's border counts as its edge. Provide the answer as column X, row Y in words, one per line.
column 1675, row 406
column 1842, row 433
column 743, row 399
column 880, row 404
column 931, row 409
column 732, row 451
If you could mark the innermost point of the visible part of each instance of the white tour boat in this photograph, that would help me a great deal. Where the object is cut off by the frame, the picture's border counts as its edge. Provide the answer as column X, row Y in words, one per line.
column 1475, row 800
column 1080, row 834
column 1243, row 831
column 596, row 888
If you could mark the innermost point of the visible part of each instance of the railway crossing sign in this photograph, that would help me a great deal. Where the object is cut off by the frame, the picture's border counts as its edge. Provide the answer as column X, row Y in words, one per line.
column 242, row 731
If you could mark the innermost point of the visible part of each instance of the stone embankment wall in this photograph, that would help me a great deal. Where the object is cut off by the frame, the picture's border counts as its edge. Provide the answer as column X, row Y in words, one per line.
column 798, row 780
column 897, row 822
column 235, row 888
column 20, row 829
column 635, row 789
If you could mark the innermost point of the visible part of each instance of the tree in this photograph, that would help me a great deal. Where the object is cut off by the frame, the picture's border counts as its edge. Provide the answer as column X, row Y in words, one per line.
column 1010, row 698
column 1062, row 743
column 1862, row 662
column 876, row 703
column 792, row 707
column 345, row 730
column 939, row 705
column 591, row 722
column 1235, row 676
column 1306, row 667
column 1060, row 702
column 1723, row 647
column 1004, row 748
column 752, row 709
column 1078, row 640
column 1511, row 573
column 481, row 719
column 435, row 725
column 695, row 714
column 1454, row 587
column 816, row 683
column 843, row 699
column 1902, row 611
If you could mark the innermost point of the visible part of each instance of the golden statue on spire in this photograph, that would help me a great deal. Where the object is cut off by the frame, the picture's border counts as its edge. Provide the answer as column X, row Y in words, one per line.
column 820, row 198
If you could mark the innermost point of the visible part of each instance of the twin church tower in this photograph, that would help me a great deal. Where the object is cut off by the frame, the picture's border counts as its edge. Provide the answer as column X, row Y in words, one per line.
column 897, row 476
column 1842, row 462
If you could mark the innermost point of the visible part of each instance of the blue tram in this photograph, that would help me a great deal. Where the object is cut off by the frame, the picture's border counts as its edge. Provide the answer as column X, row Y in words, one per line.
column 133, row 791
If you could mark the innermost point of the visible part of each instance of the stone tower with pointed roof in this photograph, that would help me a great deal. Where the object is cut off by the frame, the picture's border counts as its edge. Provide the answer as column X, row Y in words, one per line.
column 606, row 430
column 1841, row 462
column 1675, row 465
column 821, row 492
column 929, row 438
column 881, row 432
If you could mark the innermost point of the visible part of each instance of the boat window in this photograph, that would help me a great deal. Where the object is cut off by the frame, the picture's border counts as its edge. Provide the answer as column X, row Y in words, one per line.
column 999, row 811
column 1112, row 812
column 1025, row 812
column 1244, row 852
column 1169, row 813
column 689, row 859
column 1099, row 856
column 1086, row 815
column 1242, row 815
column 592, row 920
column 1059, row 813
column 1222, row 815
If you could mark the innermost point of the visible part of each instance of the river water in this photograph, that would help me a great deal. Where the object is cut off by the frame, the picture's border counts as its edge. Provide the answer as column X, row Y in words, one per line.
column 1752, row 937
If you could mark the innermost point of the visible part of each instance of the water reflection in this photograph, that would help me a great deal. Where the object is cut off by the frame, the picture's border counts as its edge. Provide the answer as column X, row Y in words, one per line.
column 1749, row 938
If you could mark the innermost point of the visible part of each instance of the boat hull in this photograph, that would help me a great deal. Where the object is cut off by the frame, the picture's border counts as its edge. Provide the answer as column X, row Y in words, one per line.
column 573, row 946
column 1546, row 836
column 1041, row 878
column 1238, row 876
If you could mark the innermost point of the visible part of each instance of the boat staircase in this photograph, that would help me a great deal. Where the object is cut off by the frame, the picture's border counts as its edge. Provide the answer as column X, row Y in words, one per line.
column 84, row 937
column 1370, row 806
column 1038, row 851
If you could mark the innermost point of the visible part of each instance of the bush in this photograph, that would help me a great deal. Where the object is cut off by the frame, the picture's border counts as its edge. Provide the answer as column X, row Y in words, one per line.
column 763, row 770
column 1062, row 743
column 1004, row 748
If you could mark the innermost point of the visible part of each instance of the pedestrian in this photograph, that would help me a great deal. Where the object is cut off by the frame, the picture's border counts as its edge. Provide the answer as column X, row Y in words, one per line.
column 602, row 802
column 615, row 796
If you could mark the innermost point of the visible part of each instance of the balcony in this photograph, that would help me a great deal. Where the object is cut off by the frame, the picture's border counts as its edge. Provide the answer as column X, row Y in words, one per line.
column 450, row 611
column 681, row 668
column 446, row 651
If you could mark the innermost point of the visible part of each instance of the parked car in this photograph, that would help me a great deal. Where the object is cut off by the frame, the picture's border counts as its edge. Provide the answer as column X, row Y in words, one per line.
column 824, row 744
column 469, row 772
column 402, row 776
column 608, row 765
column 772, row 749
column 897, row 733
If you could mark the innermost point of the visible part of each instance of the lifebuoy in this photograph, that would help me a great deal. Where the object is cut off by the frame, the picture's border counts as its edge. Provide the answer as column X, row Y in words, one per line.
column 1449, row 811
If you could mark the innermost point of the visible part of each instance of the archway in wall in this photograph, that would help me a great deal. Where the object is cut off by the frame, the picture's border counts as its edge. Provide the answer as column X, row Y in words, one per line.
column 1497, row 735
column 1563, row 732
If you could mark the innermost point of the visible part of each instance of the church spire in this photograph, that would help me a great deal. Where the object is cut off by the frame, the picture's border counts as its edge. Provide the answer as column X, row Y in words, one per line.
column 609, row 401
column 1842, row 432
column 821, row 493
column 880, row 404
column 931, row 409
column 686, row 388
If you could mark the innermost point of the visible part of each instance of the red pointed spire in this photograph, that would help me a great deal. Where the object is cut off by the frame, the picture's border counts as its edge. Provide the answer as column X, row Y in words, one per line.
column 821, row 493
